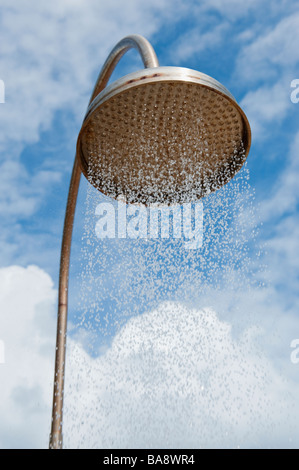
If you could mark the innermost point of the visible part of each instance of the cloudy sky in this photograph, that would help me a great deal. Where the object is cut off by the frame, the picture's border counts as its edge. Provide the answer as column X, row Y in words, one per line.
column 167, row 347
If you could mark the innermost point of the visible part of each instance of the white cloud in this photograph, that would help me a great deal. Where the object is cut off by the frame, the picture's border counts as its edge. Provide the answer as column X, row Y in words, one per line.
column 22, row 192
column 266, row 106
column 177, row 378
column 264, row 57
column 173, row 377
column 196, row 41
column 27, row 329
column 232, row 9
column 284, row 196
column 268, row 64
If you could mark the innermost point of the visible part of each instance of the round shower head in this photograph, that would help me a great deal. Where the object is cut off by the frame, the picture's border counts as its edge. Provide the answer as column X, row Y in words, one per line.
column 163, row 135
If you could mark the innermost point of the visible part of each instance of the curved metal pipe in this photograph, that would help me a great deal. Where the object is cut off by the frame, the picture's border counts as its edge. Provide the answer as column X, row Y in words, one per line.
column 136, row 41
column 150, row 60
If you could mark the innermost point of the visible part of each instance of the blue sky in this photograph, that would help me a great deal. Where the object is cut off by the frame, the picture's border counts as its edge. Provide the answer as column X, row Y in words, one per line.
column 245, row 275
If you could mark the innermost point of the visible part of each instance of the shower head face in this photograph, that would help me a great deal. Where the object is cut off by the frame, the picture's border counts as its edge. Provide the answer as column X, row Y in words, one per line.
column 165, row 135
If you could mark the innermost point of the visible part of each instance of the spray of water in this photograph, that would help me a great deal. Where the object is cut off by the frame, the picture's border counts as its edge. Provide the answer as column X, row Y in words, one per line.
column 121, row 278
column 158, row 355
column 151, row 363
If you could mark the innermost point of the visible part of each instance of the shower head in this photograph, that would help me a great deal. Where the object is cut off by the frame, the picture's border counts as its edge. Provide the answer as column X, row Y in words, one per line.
column 163, row 135
column 166, row 135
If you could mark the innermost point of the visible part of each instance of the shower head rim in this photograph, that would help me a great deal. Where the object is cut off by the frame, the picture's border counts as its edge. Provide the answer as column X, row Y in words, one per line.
column 155, row 75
